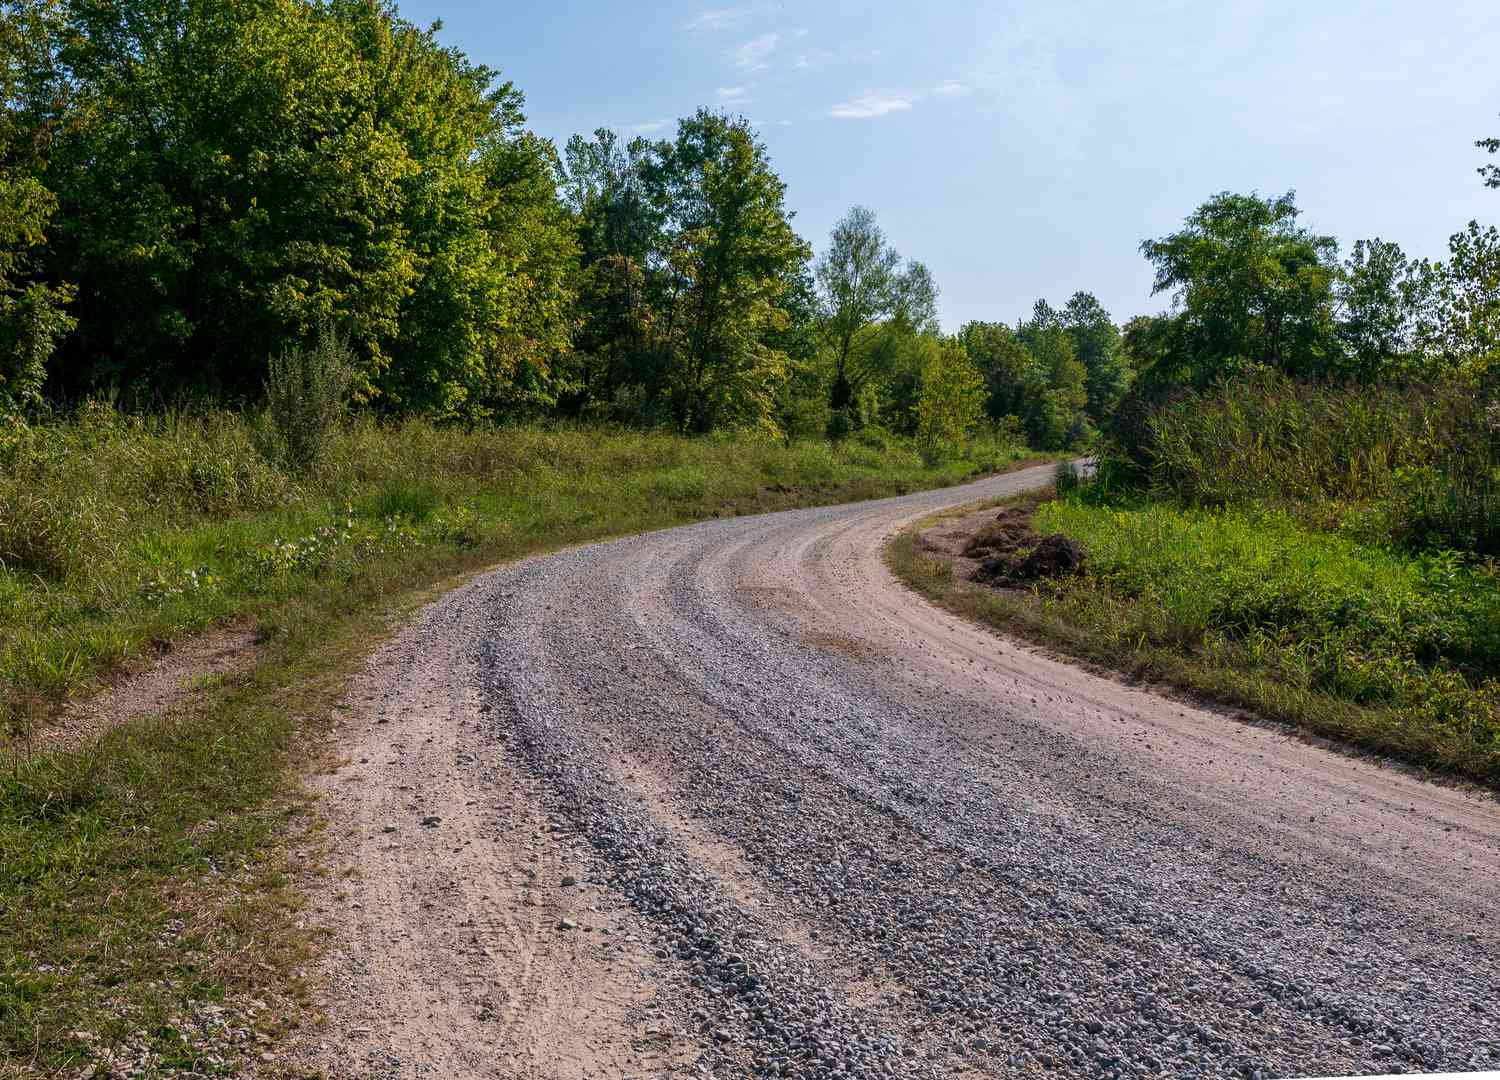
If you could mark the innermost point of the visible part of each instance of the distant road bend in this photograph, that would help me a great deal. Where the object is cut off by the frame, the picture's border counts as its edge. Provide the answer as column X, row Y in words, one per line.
column 727, row 800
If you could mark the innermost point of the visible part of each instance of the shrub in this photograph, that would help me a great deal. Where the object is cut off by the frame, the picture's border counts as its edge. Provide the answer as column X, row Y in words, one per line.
column 1419, row 464
column 402, row 499
column 305, row 389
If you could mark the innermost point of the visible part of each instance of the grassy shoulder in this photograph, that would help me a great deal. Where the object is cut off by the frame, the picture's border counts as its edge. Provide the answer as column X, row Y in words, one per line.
column 148, row 914
column 1382, row 650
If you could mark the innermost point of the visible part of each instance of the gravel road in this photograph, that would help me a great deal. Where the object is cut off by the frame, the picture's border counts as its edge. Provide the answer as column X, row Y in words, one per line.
column 727, row 800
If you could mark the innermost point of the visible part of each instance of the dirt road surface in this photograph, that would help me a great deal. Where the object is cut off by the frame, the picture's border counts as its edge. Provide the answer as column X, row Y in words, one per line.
column 727, row 800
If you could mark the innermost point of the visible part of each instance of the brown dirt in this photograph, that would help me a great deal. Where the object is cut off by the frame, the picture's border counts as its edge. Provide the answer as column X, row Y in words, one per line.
column 446, row 901
column 1002, row 550
column 170, row 681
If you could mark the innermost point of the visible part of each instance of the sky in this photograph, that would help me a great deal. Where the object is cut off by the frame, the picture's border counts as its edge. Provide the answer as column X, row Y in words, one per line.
column 1024, row 150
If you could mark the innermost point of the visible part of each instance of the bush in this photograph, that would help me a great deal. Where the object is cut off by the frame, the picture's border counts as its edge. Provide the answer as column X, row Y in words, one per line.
column 305, row 390
column 1417, row 465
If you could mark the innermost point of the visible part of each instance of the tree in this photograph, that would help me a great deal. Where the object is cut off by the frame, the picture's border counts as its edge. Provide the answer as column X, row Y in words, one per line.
column 1096, row 343
column 1381, row 301
column 233, row 175
column 1012, row 376
column 951, row 401
column 730, row 258
column 615, row 369
column 1467, row 326
column 1054, row 417
column 859, row 283
column 1251, row 287
column 33, row 313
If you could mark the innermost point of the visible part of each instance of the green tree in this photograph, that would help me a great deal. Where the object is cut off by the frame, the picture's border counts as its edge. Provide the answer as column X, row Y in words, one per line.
column 1055, row 414
column 1466, row 325
column 1381, row 301
column 1251, row 286
column 1096, row 343
column 33, row 313
column 233, row 175
column 952, row 398
column 1013, row 378
column 617, row 369
column 874, row 309
column 730, row 259
column 858, row 281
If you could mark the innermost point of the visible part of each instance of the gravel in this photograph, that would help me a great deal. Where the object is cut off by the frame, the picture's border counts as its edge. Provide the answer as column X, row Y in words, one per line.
column 871, row 843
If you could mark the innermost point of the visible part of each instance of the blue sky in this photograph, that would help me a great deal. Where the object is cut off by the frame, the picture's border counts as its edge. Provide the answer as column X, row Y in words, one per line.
column 1025, row 150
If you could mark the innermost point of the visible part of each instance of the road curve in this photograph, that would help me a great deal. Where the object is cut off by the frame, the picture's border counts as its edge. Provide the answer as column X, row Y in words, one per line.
column 728, row 800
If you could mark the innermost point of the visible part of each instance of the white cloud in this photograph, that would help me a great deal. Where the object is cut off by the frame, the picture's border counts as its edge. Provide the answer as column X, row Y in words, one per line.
column 734, row 95
column 755, row 54
column 949, row 88
column 650, row 127
column 711, row 19
column 715, row 19
column 870, row 105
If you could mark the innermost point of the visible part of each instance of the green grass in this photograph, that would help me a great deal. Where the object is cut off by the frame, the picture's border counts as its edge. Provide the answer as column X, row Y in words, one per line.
column 1361, row 643
column 159, row 868
column 1413, row 466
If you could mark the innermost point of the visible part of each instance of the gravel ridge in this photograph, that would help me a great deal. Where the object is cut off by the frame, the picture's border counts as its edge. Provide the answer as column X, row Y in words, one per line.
column 968, row 859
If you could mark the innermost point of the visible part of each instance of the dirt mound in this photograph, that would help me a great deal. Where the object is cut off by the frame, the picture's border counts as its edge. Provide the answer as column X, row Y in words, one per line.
column 1053, row 556
column 1010, row 532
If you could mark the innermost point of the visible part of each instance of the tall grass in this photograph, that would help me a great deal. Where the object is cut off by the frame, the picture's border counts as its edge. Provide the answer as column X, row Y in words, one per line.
column 119, row 530
column 1416, row 465
column 1413, row 638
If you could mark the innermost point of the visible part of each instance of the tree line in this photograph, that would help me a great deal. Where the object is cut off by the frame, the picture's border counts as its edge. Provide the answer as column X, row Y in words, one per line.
column 189, row 188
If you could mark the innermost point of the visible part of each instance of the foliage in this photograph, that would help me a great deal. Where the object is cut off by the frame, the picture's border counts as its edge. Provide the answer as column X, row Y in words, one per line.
column 1490, row 173
column 101, row 511
column 691, row 272
column 1383, row 305
column 951, row 400
column 1055, row 373
column 1467, row 330
column 227, row 176
column 1252, row 287
column 1096, row 343
column 1325, row 614
column 1419, row 466
column 873, row 310
column 305, row 391
column 33, row 314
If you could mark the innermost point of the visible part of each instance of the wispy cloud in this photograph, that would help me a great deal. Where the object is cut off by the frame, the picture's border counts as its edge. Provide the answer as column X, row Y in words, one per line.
column 873, row 103
column 755, row 54
column 650, row 127
column 812, row 59
column 734, row 95
column 726, row 18
column 870, row 105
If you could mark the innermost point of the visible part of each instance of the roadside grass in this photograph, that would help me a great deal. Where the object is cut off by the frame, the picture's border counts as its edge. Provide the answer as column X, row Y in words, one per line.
column 1385, row 651
column 148, row 914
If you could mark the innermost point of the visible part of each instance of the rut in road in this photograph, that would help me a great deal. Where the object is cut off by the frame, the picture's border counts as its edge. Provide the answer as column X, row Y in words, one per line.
column 730, row 801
